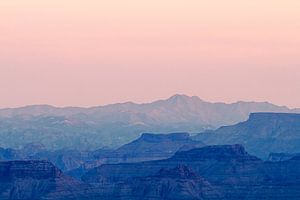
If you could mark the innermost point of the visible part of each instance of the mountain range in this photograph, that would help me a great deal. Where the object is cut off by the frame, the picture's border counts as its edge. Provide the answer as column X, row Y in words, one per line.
column 117, row 124
column 272, row 136
column 166, row 166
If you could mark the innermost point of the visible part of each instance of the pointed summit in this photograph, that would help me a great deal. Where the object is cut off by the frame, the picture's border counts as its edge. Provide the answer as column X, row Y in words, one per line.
column 179, row 98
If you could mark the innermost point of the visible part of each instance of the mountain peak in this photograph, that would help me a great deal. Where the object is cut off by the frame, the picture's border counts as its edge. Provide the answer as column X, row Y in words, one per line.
column 182, row 98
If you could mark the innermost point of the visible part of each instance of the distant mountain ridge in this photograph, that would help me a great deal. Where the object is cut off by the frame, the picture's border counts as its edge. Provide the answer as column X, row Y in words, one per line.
column 117, row 124
column 261, row 134
column 176, row 102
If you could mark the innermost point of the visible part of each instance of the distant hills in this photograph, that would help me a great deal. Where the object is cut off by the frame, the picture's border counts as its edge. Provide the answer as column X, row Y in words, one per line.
column 116, row 124
column 261, row 134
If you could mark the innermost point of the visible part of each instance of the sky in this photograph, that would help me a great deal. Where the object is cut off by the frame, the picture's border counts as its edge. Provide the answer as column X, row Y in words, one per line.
column 95, row 52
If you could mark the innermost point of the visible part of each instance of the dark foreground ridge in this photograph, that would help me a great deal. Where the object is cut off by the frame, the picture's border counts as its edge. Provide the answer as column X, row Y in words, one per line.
column 24, row 180
column 213, row 172
column 225, row 172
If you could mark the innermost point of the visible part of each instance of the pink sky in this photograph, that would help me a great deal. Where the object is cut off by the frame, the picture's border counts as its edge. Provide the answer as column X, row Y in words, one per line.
column 94, row 52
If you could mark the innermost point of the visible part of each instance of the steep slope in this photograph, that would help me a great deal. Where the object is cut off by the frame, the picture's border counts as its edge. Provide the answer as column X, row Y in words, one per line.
column 261, row 134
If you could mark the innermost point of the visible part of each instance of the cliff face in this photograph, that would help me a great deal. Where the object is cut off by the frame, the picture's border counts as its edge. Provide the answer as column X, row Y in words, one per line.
column 261, row 134
column 229, row 170
column 27, row 180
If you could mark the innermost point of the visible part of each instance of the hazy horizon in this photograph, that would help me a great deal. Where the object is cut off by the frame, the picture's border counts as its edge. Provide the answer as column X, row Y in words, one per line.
column 146, row 102
column 100, row 52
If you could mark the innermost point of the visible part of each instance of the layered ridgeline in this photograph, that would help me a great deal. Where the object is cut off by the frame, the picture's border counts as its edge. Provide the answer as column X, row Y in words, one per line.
column 261, row 134
column 225, row 172
column 277, row 134
column 147, row 147
column 117, row 124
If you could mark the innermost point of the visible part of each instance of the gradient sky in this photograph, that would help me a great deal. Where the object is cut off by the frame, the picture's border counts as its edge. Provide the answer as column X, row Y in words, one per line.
column 93, row 52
